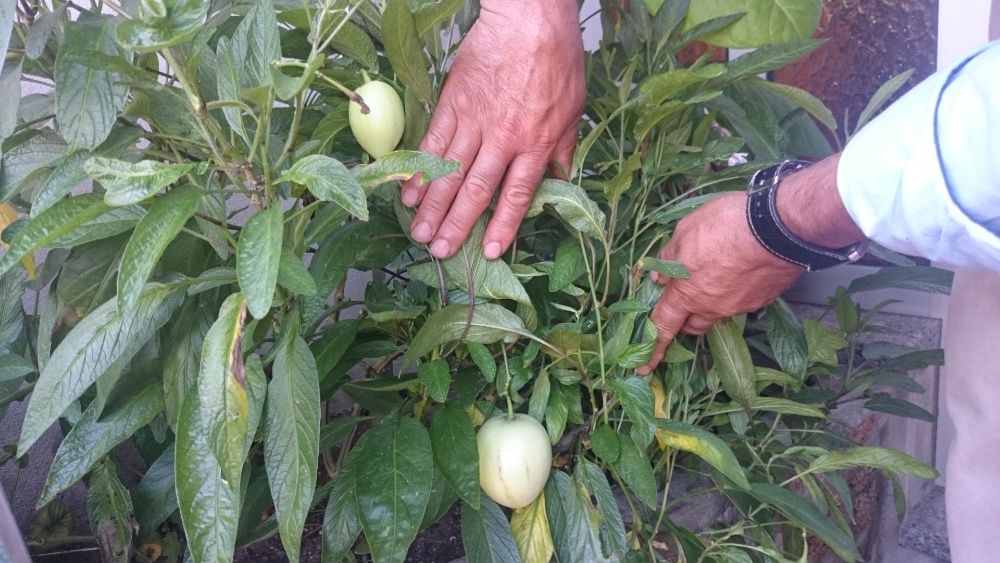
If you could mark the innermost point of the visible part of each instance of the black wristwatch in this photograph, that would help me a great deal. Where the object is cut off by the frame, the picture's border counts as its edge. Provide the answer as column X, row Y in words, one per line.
column 771, row 232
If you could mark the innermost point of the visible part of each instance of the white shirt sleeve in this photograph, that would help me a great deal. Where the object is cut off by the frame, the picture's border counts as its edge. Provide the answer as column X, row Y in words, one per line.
column 923, row 178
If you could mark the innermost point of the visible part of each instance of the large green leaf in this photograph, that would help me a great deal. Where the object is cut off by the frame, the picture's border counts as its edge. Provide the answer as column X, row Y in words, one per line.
column 208, row 504
column 256, row 45
column 436, row 377
column 92, row 437
column 109, row 509
column 112, row 222
column 154, row 497
column 572, row 204
column 178, row 21
column 394, row 488
column 405, row 50
column 454, row 443
column 227, row 83
column 771, row 57
column 704, row 444
column 258, row 257
column 636, row 398
column 155, row 231
column 634, row 468
column 14, row 367
column 808, row 516
column 87, row 100
column 10, row 96
column 765, row 22
column 486, row 324
column 340, row 519
column 131, row 182
column 403, row 165
column 573, row 532
column 104, row 337
column 787, row 339
column 917, row 278
column 872, row 456
column 291, row 439
column 329, row 180
column 223, row 403
column 732, row 362
column 613, row 538
column 7, row 14
column 486, row 534
column 57, row 221
column 530, row 527
column 430, row 14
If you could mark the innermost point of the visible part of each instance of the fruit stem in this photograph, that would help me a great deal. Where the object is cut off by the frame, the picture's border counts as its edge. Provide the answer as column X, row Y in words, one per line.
column 351, row 94
column 506, row 394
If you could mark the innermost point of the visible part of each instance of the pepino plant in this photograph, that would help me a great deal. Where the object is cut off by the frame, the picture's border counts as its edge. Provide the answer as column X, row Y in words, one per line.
column 189, row 189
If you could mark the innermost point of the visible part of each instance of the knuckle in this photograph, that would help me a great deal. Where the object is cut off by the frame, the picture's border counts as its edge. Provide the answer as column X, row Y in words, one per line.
column 519, row 194
column 434, row 142
column 479, row 188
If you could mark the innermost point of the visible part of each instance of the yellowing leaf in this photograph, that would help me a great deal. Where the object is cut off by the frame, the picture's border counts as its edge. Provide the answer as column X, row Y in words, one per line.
column 530, row 527
column 659, row 399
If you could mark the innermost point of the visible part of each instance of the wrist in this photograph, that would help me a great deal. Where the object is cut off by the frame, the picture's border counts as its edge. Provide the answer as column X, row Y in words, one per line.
column 809, row 205
column 525, row 9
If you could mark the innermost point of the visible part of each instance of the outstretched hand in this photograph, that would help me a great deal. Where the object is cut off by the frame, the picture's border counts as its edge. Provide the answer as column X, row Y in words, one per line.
column 508, row 109
column 731, row 273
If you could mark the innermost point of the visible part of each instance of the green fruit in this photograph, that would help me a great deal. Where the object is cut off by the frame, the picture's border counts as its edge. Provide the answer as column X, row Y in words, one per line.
column 379, row 130
column 515, row 458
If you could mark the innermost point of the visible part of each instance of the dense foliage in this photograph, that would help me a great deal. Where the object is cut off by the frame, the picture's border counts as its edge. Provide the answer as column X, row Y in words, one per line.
column 188, row 168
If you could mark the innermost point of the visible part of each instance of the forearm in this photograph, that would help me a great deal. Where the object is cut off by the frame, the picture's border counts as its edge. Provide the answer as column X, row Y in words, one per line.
column 810, row 206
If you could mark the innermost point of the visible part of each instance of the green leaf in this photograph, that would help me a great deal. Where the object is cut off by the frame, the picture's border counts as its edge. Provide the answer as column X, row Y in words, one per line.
column 131, row 182
column 487, row 324
column 732, row 362
column 155, row 231
column 393, row 491
column 813, row 105
column 530, row 528
column 432, row 13
column 227, row 83
column 634, row 468
column 770, row 57
column 7, row 14
column 486, row 534
column 256, row 45
column 291, row 440
column 59, row 220
column 14, row 367
column 352, row 41
column 87, row 100
column 91, row 438
column 872, row 456
column 636, row 398
column 568, row 265
column 668, row 268
column 436, row 378
column 258, row 254
column 23, row 162
column 103, row 338
column 787, row 339
column 612, row 528
column 882, row 96
column 808, row 516
column 822, row 343
column 340, row 519
column 899, row 407
column 572, row 204
column 483, row 359
column 404, row 49
column 208, row 504
column 401, row 166
column 916, row 278
column 224, row 405
column 573, row 532
column 455, row 453
column 293, row 275
column 10, row 97
column 180, row 20
column 154, row 497
column 765, row 22
column 604, row 441
column 109, row 509
column 704, row 444
column 329, row 180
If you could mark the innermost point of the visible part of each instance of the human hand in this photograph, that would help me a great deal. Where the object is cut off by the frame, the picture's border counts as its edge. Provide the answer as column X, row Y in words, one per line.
column 509, row 107
column 731, row 273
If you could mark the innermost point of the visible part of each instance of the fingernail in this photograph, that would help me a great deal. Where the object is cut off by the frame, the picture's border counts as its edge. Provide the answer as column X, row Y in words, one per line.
column 422, row 232
column 440, row 248
column 655, row 277
column 409, row 197
column 492, row 250
column 643, row 370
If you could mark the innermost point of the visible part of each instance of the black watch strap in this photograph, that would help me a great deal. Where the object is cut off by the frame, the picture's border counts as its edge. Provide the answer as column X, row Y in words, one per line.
column 771, row 232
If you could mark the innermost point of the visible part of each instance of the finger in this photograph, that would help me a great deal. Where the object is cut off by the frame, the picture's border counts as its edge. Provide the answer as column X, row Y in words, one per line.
column 472, row 200
column 523, row 177
column 697, row 324
column 562, row 157
column 436, row 141
column 440, row 194
column 668, row 252
column 668, row 319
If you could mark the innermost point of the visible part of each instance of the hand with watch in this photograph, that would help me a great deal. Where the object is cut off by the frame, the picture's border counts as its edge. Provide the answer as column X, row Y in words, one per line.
column 744, row 249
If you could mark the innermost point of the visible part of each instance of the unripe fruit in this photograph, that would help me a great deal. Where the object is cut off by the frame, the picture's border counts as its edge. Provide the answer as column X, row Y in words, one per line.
column 514, row 459
column 379, row 130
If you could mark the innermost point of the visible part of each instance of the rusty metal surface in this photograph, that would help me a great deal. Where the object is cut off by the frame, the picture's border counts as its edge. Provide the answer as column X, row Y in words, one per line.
column 868, row 42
